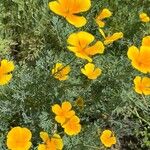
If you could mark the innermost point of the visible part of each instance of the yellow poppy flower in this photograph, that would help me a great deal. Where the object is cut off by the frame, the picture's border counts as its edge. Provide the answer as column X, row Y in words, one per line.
column 144, row 17
column 63, row 113
column 53, row 143
column 107, row 138
column 72, row 126
column 19, row 139
column 6, row 67
column 69, row 10
column 79, row 43
column 111, row 38
column 61, row 72
column 140, row 58
column 146, row 41
column 105, row 13
column 90, row 71
column 142, row 85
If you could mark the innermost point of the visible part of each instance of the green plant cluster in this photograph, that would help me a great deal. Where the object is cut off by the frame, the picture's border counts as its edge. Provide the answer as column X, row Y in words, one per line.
column 35, row 38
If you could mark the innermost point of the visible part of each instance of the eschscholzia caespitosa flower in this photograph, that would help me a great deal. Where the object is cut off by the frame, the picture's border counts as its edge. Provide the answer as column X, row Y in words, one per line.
column 142, row 85
column 19, row 139
column 69, row 10
column 105, row 13
column 144, row 17
column 111, row 38
column 6, row 67
column 63, row 112
column 90, row 71
column 50, row 143
column 140, row 58
column 107, row 138
column 60, row 71
column 67, row 118
column 79, row 43
column 72, row 126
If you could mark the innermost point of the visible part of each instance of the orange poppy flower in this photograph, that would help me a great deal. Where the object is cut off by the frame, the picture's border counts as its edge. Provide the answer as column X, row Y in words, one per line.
column 63, row 113
column 142, row 85
column 140, row 58
column 53, row 143
column 72, row 126
column 105, row 13
column 107, row 138
column 79, row 43
column 144, row 17
column 6, row 67
column 60, row 72
column 69, row 10
column 90, row 71
column 19, row 139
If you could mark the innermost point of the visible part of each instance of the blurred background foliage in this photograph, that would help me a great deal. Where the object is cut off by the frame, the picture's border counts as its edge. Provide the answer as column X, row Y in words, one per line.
column 35, row 38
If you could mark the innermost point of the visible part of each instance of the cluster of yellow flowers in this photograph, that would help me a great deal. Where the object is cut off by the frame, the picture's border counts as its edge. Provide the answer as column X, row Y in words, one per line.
column 140, row 59
column 84, row 46
column 67, row 118
column 82, row 43
column 19, row 138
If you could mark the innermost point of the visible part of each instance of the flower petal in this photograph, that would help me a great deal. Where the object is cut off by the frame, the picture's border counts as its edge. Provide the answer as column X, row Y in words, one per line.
column 77, row 21
column 4, row 79
column 105, row 13
column 146, row 41
column 56, row 109
column 56, row 8
column 42, row 147
column 146, row 84
column 60, row 119
column 137, row 82
column 110, row 39
column 133, row 52
column 97, row 48
column 83, row 56
column 81, row 6
column 44, row 136
column 58, row 141
column 66, row 106
column 89, row 67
